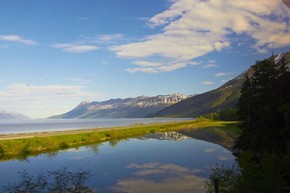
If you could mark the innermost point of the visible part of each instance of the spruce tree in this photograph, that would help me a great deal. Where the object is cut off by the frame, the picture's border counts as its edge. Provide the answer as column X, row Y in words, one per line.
column 264, row 108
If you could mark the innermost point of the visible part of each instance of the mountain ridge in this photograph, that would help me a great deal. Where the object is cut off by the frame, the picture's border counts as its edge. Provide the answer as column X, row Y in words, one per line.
column 12, row 115
column 138, row 107
column 223, row 97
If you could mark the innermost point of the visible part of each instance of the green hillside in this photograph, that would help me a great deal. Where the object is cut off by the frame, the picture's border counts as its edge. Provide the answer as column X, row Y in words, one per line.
column 221, row 98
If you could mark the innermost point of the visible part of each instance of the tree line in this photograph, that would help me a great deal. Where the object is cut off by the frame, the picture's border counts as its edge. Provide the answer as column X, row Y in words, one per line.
column 263, row 148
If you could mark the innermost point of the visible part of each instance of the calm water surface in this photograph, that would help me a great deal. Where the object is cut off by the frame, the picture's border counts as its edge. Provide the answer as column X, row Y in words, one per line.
column 40, row 125
column 151, row 164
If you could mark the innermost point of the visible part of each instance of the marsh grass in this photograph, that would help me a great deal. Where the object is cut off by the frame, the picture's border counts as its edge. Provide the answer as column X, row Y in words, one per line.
column 19, row 148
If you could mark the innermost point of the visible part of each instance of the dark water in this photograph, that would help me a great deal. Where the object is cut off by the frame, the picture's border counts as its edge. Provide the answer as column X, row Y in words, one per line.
column 151, row 164
column 27, row 126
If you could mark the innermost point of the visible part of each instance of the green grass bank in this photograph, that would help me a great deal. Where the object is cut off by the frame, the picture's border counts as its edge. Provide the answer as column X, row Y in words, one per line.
column 23, row 145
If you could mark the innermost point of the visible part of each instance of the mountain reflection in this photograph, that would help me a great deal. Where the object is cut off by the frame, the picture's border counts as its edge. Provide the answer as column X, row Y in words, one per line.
column 166, row 136
column 211, row 134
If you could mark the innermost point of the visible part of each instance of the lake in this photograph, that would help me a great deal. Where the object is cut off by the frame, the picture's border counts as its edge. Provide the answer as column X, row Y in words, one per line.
column 43, row 125
column 157, row 163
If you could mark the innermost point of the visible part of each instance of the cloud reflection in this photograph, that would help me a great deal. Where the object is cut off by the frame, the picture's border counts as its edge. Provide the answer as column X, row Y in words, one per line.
column 209, row 150
column 223, row 158
column 161, row 178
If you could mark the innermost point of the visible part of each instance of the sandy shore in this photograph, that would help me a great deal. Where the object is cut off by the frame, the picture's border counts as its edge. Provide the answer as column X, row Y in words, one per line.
column 46, row 134
column 70, row 132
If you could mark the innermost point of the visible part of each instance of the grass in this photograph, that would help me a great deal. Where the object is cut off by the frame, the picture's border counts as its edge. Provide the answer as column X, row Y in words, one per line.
column 37, row 143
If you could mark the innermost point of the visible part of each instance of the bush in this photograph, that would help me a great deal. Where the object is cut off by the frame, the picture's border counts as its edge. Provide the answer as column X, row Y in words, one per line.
column 63, row 145
column 58, row 181
column 2, row 151
column 228, row 179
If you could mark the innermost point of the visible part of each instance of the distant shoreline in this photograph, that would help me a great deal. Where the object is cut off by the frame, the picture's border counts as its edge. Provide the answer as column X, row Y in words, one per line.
column 11, row 136
column 48, row 125
column 14, row 146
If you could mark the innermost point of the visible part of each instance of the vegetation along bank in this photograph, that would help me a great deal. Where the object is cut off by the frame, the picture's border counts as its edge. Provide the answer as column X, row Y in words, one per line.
column 18, row 146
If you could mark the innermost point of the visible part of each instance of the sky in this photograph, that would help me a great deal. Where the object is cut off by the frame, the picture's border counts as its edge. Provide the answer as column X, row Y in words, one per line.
column 55, row 54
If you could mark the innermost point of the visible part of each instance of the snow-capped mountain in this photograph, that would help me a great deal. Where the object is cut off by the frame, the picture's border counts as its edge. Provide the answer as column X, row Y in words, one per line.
column 224, row 97
column 12, row 115
column 138, row 107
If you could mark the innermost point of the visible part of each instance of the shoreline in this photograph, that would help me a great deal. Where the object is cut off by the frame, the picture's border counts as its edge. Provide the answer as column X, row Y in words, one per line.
column 11, row 127
column 22, row 145
column 25, row 135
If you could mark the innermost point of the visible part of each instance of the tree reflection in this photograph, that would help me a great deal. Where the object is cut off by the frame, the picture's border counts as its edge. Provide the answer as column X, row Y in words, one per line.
column 58, row 181
column 52, row 154
column 115, row 142
column 94, row 148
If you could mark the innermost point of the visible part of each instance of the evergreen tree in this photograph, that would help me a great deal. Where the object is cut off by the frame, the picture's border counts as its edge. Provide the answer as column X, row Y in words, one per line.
column 264, row 112
column 244, row 115
column 264, row 143
column 263, row 108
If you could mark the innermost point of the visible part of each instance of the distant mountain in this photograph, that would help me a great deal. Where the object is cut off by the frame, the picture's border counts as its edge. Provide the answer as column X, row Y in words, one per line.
column 137, row 107
column 12, row 115
column 223, row 97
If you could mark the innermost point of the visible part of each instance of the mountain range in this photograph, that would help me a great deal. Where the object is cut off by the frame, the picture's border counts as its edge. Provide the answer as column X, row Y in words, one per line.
column 12, row 115
column 138, row 107
column 224, row 97
column 175, row 105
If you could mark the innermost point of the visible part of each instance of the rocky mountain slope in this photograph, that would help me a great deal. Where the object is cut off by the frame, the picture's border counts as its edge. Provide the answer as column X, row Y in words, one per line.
column 137, row 107
column 12, row 115
column 221, row 98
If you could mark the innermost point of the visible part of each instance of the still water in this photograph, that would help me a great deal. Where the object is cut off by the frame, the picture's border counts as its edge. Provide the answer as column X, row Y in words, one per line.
column 42, row 125
column 161, row 163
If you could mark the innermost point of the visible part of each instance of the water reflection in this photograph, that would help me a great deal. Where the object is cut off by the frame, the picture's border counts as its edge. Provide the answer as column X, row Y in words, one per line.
column 94, row 148
column 161, row 178
column 211, row 134
column 175, row 136
column 114, row 142
column 170, row 162
column 58, row 181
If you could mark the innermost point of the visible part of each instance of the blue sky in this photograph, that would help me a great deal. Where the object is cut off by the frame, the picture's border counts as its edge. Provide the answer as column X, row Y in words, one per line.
column 57, row 53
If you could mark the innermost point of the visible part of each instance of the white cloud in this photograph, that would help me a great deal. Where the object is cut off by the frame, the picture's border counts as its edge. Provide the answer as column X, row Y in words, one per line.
column 207, row 82
column 220, row 74
column 26, row 90
column 193, row 28
column 147, row 63
column 88, row 44
column 110, row 37
column 16, row 39
column 75, row 48
column 147, row 70
column 155, row 67
column 221, row 45
column 210, row 66
column 77, row 79
column 43, row 101
column 80, row 48
column 169, row 68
